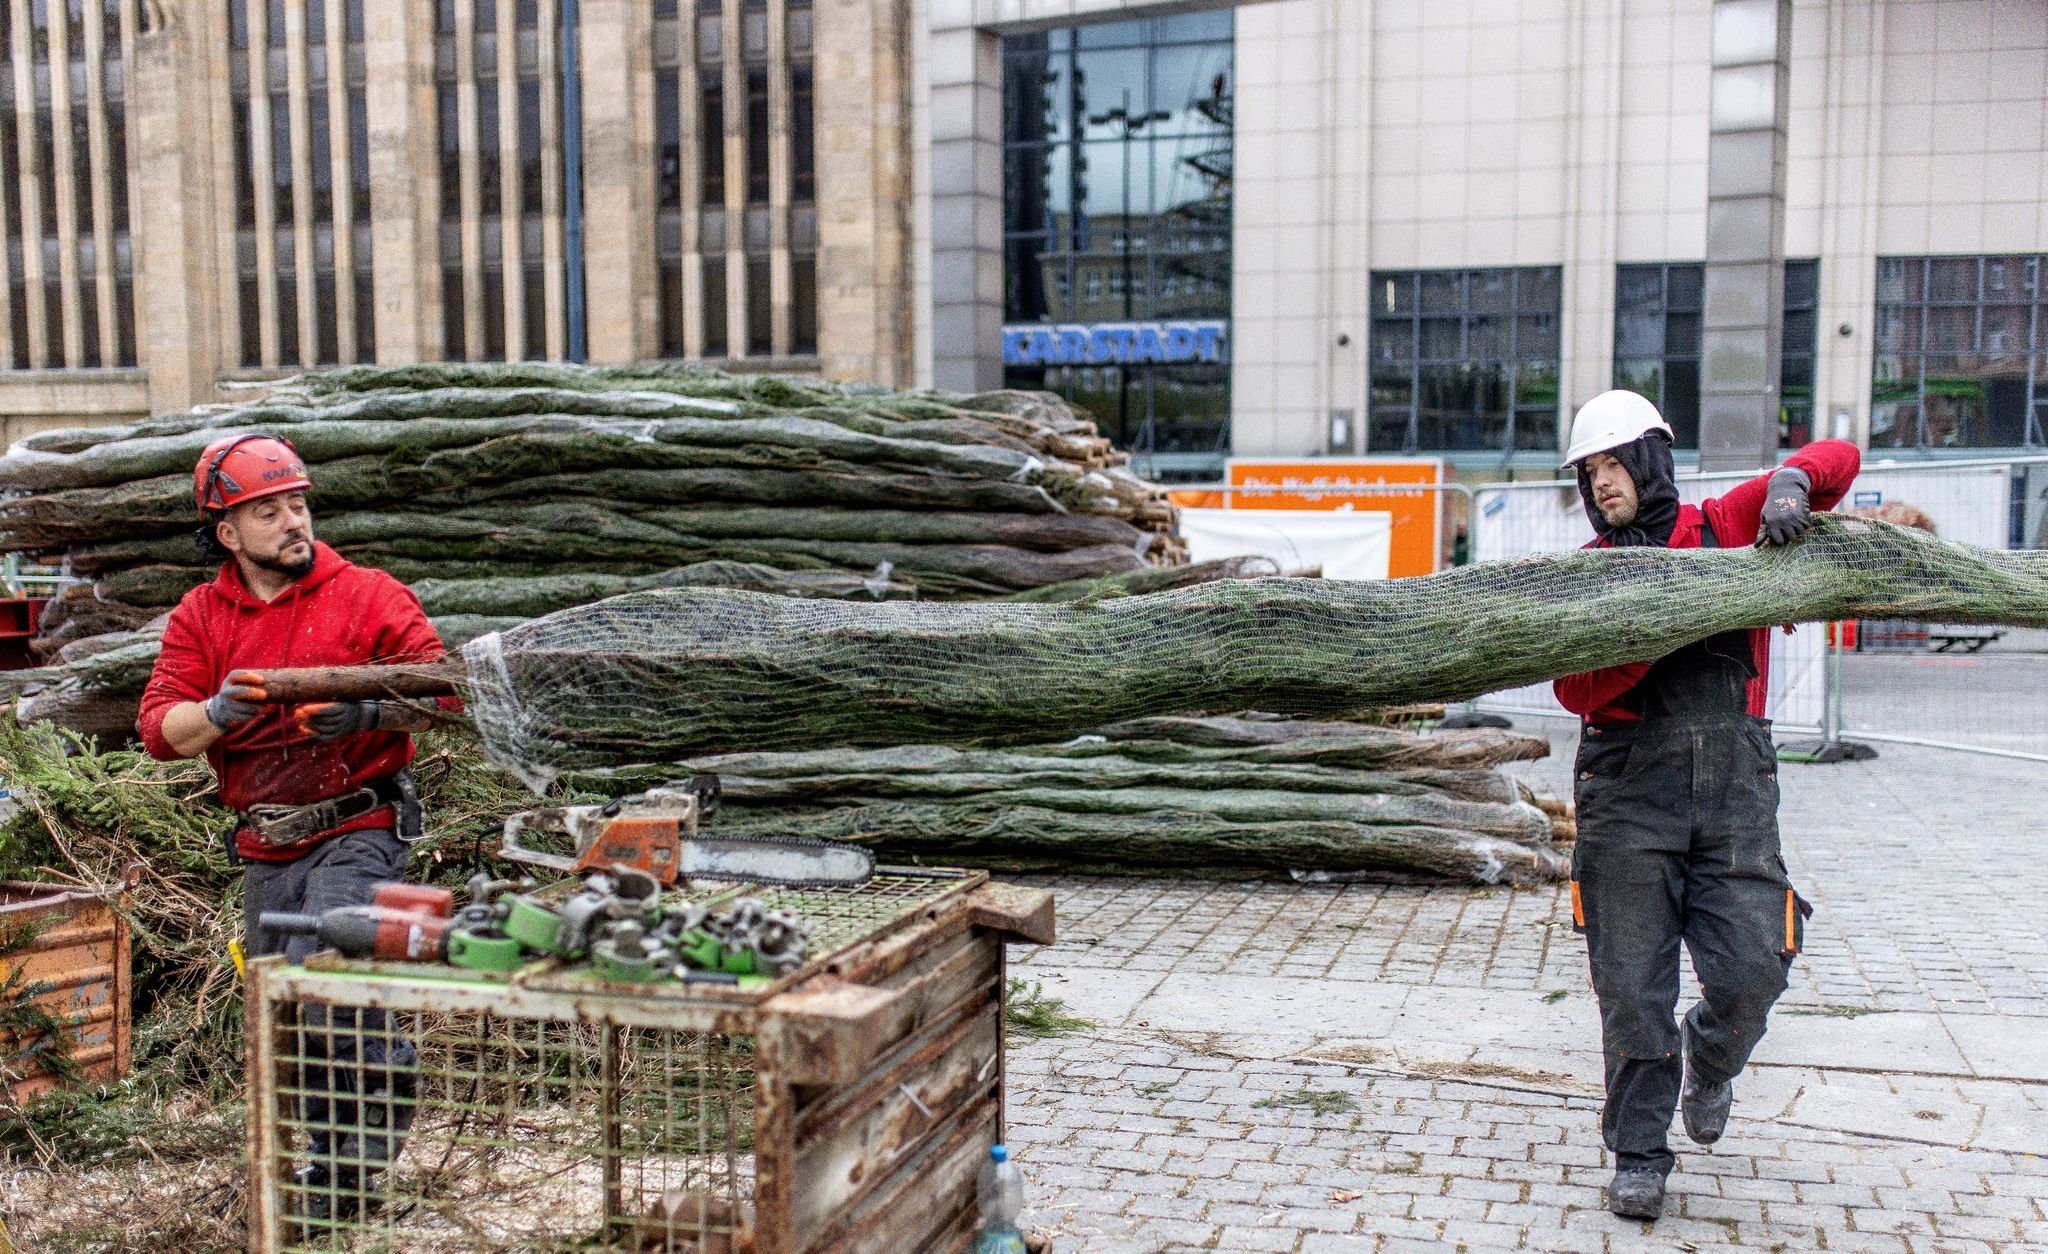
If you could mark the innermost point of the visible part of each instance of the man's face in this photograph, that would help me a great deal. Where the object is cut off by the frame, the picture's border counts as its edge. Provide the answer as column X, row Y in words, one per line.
column 1614, row 490
column 274, row 533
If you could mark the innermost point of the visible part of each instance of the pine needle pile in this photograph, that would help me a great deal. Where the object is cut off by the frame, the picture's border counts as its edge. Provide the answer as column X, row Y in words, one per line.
column 1189, row 796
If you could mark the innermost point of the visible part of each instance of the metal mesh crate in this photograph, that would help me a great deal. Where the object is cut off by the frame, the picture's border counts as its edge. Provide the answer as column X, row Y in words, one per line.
column 846, row 1107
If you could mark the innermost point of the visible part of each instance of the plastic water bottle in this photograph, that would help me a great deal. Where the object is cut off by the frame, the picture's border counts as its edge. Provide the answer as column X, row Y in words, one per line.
column 1001, row 1192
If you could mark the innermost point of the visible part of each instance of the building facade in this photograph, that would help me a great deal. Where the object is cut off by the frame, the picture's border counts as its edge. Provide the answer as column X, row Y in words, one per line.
column 193, row 192
column 1263, row 228
column 1451, row 221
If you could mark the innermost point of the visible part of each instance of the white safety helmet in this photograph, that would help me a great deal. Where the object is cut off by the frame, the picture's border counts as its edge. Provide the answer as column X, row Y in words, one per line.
column 1609, row 421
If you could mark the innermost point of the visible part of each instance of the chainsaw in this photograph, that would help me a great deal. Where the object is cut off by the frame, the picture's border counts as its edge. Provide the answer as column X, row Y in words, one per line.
column 657, row 832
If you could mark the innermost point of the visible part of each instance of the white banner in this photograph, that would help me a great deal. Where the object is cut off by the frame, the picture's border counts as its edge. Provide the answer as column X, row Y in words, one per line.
column 1345, row 544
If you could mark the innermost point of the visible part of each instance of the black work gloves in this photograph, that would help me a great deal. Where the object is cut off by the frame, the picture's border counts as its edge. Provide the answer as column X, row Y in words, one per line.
column 331, row 720
column 235, row 704
column 1787, row 513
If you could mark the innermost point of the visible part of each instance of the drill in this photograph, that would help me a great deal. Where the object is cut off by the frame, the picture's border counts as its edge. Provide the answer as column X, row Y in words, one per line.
column 402, row 923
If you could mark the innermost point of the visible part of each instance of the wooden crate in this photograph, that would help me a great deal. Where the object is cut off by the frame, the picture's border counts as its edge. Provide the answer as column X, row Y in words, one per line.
column 64, row 960
column 846, row 1108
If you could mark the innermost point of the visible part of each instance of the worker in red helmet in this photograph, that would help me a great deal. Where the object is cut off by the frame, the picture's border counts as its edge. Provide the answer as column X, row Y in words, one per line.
column 324, row 792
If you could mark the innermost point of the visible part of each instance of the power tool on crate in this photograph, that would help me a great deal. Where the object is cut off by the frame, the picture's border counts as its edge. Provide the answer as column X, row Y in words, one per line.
column 657, row 832
column 407, row 923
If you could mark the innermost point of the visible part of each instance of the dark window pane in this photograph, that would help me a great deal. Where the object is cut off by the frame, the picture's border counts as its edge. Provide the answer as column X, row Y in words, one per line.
column 1390, row 431
column 454, row 344
column 1393, row 293
column 1536, row 337
column 1393, row 340
column 89, row 322
column 536, row 314
column 803, row 305
column 366, row 317
column 1952, row 279
column 323, row 300
column 1486, row 339
column 1639, row 287
column 1538, row 289
column 668, row 144
column 451, row 152
column 1684, row 288
column 1681, row 403
column 760, row 309
column 711, row 114
column 494, row 315
column 322, row 159
column 672, row 312
column 288, row 320
column 1799, row 330
column 715, row 342
column 1441, row 339
column 802, row 135
column 1443, row 291
column 359, row 154
column 250, row 321
column 1802, row 284
column 1682, row 335
column 124, row 316
column 486, row 15
column 487, row 147
column 529, row 146
column 1490, row 290
column 757, row 136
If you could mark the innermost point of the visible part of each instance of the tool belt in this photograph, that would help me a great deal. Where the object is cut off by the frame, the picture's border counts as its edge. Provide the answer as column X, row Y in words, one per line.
column 290, row 825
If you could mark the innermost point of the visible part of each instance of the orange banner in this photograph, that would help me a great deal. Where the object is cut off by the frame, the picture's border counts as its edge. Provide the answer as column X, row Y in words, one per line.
column 1336, row 484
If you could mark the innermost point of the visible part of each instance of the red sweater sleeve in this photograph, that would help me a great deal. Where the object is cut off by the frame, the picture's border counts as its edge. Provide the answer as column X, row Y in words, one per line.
column 183, row 673
column 1831, row 465
column 1594, row 690
column 406, row 633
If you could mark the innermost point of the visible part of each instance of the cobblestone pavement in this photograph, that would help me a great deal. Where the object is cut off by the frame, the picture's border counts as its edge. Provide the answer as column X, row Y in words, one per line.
column 1307, row 1068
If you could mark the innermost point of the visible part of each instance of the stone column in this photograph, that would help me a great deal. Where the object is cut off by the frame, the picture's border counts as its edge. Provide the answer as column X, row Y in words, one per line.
column 405, row 179
column 966, row 111
column 864, row 195
column 176, row 259
column 619, row 289
column 1745, row 265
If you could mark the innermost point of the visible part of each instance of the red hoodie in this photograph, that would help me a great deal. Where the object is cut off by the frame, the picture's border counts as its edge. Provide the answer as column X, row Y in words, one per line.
column 1831, row 465
column 340, row 614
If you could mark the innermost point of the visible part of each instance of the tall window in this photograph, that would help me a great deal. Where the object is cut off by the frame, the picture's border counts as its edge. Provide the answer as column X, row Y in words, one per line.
column 302, row 184
column 1657, row 344
column 1962, row 352
column 1117, row 170
column 497, row 65
column 67, row 294
column 1464, row 360
column 735, row 249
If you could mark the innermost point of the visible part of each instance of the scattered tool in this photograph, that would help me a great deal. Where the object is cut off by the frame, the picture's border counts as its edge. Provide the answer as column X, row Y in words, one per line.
column 402, row 923
column 657, row 832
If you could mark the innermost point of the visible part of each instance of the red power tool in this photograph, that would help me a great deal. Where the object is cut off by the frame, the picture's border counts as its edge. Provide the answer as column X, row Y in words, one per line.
column 402, row 923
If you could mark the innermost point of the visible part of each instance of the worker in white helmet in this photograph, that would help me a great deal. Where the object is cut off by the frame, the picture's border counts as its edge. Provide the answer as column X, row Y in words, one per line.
column 1677, row 793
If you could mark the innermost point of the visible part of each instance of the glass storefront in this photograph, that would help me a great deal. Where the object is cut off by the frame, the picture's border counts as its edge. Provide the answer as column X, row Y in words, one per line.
column 1464, row 360
column 1116, row 231
column 1962, row 353
column 1657, row 344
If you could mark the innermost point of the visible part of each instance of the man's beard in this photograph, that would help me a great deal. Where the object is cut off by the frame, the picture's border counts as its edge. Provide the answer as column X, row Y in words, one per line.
column 291, row 570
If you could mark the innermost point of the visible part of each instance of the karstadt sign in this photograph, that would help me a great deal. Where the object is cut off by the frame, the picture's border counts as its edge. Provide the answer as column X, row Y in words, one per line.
column 1115, row 343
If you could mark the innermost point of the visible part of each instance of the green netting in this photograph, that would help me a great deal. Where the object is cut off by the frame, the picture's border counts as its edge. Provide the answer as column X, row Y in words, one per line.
column 667, row 674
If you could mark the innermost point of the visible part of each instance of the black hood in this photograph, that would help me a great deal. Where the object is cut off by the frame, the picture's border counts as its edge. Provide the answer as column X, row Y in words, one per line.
column 1648, row 462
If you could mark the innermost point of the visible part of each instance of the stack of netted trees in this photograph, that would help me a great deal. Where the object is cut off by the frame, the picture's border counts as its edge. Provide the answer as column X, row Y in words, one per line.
column 504, row 492
column 1212, row 796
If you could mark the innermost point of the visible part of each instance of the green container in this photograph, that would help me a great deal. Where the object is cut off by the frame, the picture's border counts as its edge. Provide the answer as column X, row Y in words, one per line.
column 480, row 952
column 533, row 926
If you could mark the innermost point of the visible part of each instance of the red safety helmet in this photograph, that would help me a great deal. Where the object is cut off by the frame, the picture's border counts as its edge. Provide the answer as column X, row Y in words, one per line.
column 241, row 468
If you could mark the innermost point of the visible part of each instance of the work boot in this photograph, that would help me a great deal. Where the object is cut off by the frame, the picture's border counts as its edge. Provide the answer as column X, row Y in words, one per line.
column 1636, row 1193
column 1704, row 1106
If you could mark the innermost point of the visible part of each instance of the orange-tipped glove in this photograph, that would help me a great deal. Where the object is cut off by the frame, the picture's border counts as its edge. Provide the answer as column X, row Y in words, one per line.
column 236, row 703
column 331, row 720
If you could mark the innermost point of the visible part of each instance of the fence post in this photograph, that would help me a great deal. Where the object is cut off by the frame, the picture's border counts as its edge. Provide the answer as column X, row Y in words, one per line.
column 1830, row 747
